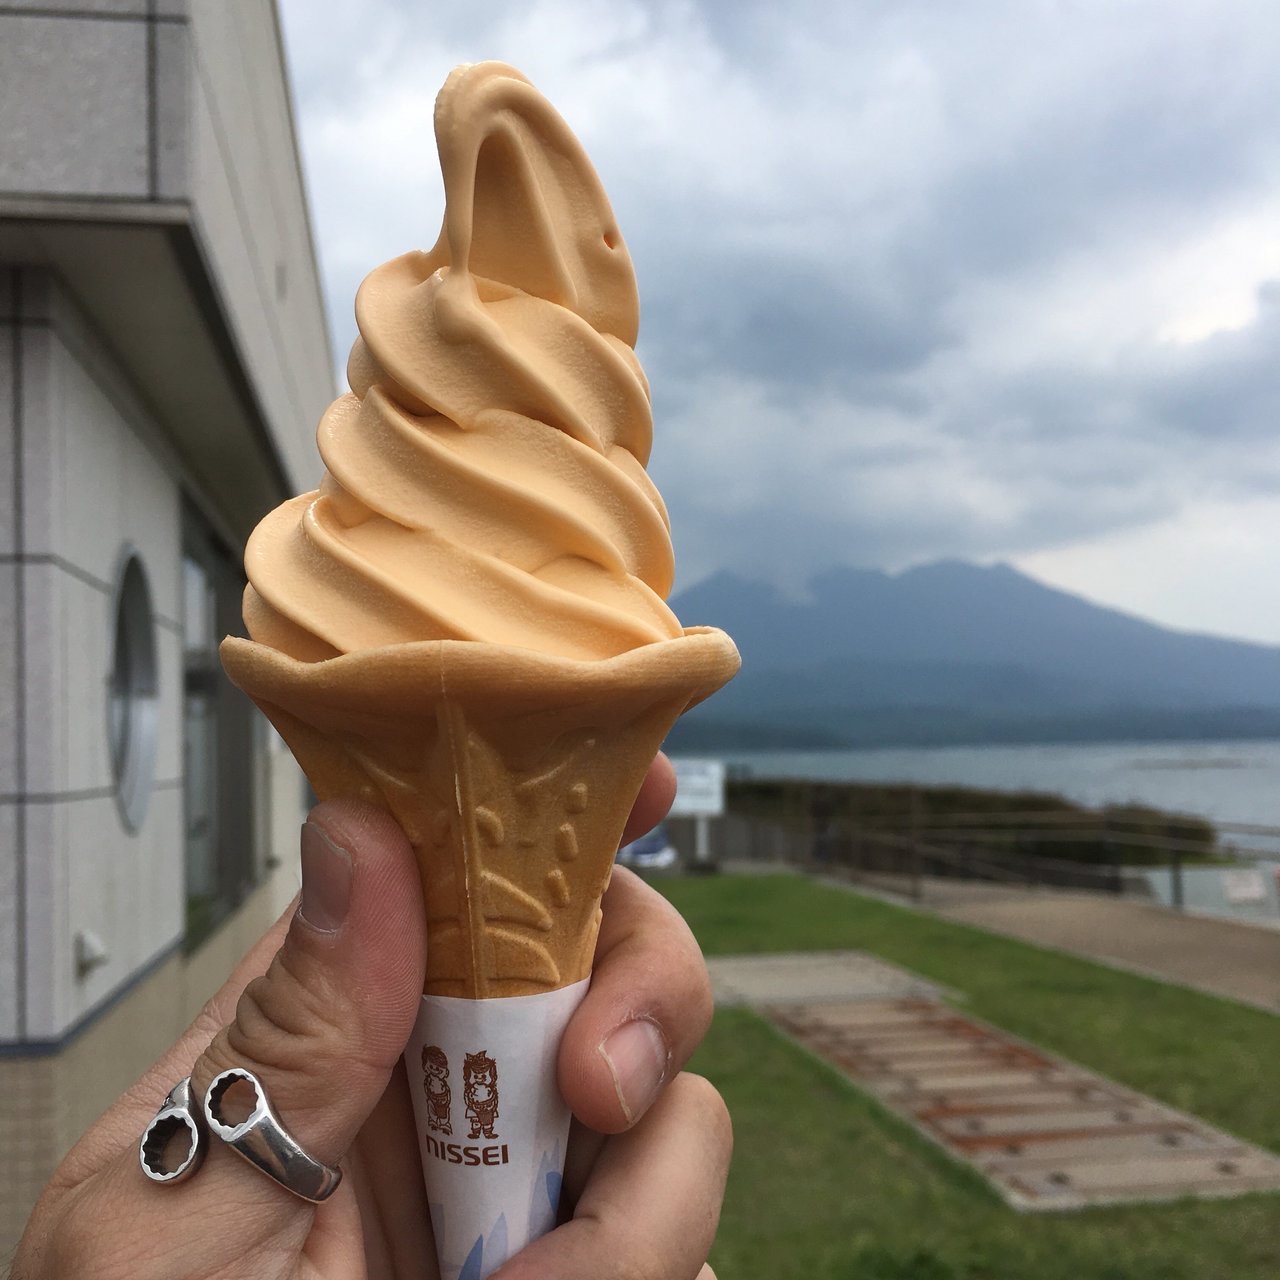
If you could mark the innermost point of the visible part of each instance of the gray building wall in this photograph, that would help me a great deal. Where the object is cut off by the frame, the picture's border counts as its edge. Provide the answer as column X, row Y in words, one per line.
column 163, row 359
column 149, row 156
column 97, row 106
column 94, row 479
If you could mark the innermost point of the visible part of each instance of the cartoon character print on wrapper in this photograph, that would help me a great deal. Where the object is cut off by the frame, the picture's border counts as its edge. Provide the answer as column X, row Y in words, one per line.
column 480, row 1093
column 435, row 1085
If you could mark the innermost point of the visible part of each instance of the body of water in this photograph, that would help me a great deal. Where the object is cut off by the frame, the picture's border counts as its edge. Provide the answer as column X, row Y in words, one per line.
column 1226, row 782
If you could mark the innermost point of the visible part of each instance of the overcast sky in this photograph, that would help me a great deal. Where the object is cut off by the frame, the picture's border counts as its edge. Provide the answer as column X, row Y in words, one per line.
column 997, row 280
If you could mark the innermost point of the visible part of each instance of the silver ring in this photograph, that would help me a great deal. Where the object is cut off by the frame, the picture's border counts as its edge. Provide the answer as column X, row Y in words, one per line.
column 264, row 1141
column 177, row 1118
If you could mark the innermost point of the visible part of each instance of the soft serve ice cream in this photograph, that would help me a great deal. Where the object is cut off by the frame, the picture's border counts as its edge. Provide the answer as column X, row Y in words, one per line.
column 464, row 624
column 486, row 474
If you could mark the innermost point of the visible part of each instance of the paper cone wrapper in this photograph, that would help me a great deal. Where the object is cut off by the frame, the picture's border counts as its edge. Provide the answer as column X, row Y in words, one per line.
column 512, row 774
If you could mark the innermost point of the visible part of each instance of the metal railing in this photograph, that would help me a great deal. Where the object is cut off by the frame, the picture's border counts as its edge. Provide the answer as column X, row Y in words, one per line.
column 977, row 847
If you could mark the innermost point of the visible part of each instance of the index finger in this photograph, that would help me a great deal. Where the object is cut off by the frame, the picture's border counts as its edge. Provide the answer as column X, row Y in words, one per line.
column 656, row 794
column 648, row 1006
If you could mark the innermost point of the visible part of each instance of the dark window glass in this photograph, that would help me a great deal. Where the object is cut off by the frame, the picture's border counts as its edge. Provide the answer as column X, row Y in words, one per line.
column 132, row 693
column 220, row 737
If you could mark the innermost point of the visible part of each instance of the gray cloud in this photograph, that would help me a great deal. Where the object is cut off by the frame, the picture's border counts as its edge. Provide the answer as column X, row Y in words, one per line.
column 917, row 280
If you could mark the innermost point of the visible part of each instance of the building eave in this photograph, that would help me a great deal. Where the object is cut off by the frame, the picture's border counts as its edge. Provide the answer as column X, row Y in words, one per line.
column 141, row 275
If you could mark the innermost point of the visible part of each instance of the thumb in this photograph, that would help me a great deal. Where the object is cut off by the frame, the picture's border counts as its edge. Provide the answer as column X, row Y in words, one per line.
column 323, row 1028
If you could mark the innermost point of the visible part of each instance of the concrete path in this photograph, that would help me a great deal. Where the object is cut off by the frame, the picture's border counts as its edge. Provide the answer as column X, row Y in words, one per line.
column 1240, row 961
column 781, row 977
column 1222, row 957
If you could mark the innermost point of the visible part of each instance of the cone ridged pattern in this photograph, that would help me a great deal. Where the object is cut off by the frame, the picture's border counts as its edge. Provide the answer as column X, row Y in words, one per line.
column 512, row 774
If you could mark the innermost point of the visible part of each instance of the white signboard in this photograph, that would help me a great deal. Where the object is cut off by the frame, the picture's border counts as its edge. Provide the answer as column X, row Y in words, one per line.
column 1244, row 886
column 699, row 789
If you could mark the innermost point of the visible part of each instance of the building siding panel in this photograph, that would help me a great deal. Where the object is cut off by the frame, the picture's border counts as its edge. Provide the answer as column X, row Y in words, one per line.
column 74, row 99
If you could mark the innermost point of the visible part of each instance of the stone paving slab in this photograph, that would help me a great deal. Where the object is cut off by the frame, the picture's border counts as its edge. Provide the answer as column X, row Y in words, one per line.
column 1046, row 1133
column 810, row 975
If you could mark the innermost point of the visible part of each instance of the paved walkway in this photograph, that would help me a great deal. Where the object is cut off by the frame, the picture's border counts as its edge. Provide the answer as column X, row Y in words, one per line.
column 1222, row 957
column 780, row 977
column 1240, row 961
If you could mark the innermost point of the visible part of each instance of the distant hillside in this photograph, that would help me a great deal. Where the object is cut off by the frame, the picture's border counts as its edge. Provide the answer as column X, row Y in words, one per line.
column 954, row 652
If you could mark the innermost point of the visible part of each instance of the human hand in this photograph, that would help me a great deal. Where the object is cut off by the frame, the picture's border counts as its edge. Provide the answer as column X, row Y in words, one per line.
column 320, row 1011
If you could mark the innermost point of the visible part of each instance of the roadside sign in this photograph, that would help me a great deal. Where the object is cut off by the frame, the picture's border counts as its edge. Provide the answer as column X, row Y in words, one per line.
column 1244, row 885
column 699, row 788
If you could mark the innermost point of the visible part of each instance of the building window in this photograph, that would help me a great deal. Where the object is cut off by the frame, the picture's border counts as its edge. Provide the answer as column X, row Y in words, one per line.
column 220, row 733
column 132, row 693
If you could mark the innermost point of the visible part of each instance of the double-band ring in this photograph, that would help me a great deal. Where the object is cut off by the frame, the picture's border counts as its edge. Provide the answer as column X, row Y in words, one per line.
column 173, row 1145
column 260, row 1138
column 264, row 1141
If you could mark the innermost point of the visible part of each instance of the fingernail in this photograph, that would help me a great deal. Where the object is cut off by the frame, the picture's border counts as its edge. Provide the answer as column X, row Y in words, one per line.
column 326, row 880
column 637, row 1056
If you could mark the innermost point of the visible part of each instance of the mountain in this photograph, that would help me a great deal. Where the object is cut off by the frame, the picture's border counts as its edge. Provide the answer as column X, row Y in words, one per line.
column 957, row 652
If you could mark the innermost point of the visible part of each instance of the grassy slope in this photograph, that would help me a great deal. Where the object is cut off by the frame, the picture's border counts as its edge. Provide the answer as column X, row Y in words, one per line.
column 852, row 1192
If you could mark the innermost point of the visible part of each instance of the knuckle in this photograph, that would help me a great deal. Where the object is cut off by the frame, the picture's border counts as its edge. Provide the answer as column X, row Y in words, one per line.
column 701, row 997
column 290, row 1023
column 703, row 1099
column 656, row 930
column 284, row 1022
column 684, row 994
column 271, row 1027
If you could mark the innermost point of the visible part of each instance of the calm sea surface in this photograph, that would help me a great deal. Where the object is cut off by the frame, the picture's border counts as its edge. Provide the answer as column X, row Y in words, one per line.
column 1227, row 782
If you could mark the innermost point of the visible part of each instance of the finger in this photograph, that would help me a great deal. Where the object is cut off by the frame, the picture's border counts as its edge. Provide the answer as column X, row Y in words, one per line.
column 325, row 1025
column 122, row 1124
column 386, row 1170
column 652, row 1204
column 648, row 1006
column 322, row 1027
column 656, row 794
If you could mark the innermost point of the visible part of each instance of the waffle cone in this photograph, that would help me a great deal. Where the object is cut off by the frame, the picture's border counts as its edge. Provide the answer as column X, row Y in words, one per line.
column 511, row 772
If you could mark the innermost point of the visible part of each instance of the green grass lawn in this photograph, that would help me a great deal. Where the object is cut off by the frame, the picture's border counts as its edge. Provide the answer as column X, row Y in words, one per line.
column 826, row 1183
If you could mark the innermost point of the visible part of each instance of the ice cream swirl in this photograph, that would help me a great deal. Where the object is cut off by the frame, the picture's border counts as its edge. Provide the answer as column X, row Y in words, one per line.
column 485, row 476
